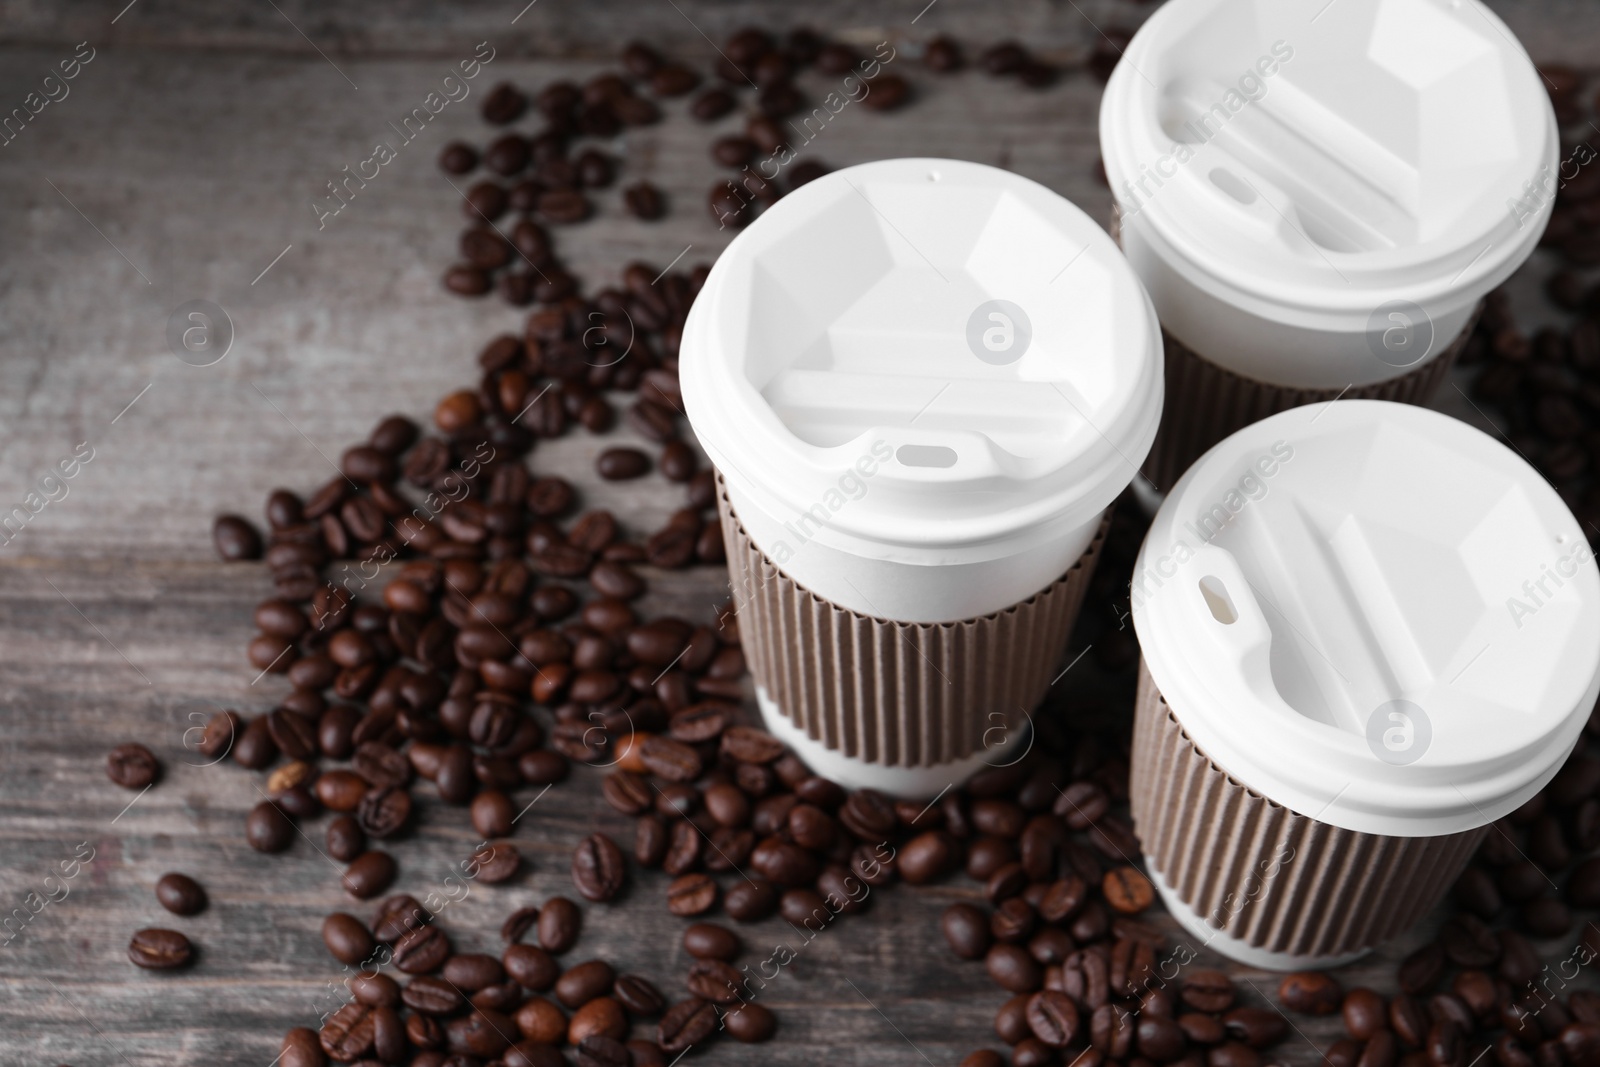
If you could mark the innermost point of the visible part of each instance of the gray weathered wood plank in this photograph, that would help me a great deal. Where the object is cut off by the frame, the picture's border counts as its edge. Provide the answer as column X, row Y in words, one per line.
column 181, row 165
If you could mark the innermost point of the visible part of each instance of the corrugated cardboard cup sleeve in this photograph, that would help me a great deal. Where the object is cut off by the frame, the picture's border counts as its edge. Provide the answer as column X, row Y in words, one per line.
column 893, row 693
column 1277, row 880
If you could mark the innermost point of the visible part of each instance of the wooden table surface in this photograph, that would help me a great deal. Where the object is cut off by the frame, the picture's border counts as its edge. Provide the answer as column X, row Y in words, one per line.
column 181, row 166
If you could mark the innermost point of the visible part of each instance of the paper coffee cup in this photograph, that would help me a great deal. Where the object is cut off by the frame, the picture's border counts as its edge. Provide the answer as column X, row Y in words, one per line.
column 1368, row 631
column 923, row 382
column 1317, row 196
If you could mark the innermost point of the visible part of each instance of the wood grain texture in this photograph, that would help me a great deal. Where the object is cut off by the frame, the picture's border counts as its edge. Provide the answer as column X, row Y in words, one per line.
column 1551, row 29
column 183, row 162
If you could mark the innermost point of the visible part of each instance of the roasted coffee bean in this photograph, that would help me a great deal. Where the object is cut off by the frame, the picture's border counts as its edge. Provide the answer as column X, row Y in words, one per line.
column 1445, row 1045
column 492, row 813
column 432, row 996
column 559, row 923
column 1580, row 1042
column 1443, row 1006
column 669, row 759
column 650, row 840
column 494, row 863
column 1063, row 899
column 685, row 1024
column 384, row 812
column 1127, row 890
column 254, row 747
column 1011, row 1020
column 639, row 995
column 504, row 105
column 219, row 734
column 180, row 894
column 691, row 894
column 705, row 721
column 750, row 900
column 375, row 989
column 1422, row 969
column 942, row 55
column 1382, row 1050
column 710, row 941
column 464, row 280
column 132, row 766
column 1233, row 1054
column 369, row 874
column 784, row 863
column 397, row 916
column 457, row 157
column 290, row 778
column 672, row 79
column 1256, row 1027
column 1518, row 964
column 421, row 950
column 750, row 1022
column 598, row 868
column 531, row 967
column 617, row 464
column 518, row 923
column 644, row 201
column 1202, row 1029
column 582, row 982
column 729, row 807
column 810, row 827
column 235, row 538
column 541, row 1021
column 1365, row 1013
column 927, row 857
column 804, row 908
column 598, row 1049
column 341, row 790
column 1476, row 989
column 1159, row 1039
column 1013, row 921
column 347, row 938
column 712, row 105
column 1053, row 1018
column 484, row 1034
column 715, row 981
column 1206, row 990
column 268, row 829
column 1012, row 969
column 381, row 765
column 1312, row 992
column 160, row 950
column 1467, row 942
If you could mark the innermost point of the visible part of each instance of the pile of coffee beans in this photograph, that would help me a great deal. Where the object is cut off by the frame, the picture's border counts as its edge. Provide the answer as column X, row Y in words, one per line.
column 520, row 1009
column 1089, row 983
column 545, row 177
column 505, row 643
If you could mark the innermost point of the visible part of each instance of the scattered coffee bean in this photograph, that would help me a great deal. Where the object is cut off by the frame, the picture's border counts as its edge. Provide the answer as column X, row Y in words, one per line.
column 617, row 464
column 180, row 894
column 598, row 868
column 132, row 766
column 160, row 950
column 236, row 538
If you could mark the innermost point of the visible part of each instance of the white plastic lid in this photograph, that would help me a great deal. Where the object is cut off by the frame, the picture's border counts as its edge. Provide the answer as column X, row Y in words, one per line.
column 969, row 337
column 1374, row 615
column 1320, row 164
